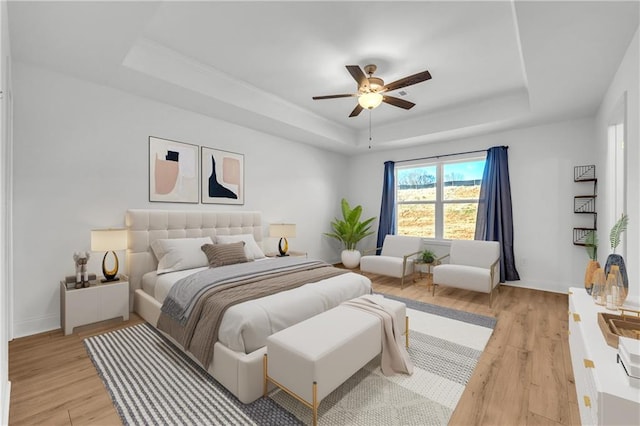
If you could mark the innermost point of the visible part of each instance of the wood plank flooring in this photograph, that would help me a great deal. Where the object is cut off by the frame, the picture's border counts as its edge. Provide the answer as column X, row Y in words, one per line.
column 523, row 377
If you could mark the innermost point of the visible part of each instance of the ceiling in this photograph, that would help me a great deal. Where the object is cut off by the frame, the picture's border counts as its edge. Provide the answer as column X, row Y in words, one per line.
column 495, row 65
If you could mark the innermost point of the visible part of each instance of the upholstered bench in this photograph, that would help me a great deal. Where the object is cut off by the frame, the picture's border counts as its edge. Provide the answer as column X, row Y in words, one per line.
column 312, row 358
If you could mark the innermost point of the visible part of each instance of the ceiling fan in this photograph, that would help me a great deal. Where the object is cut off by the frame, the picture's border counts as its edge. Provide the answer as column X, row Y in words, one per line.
column 371, row 89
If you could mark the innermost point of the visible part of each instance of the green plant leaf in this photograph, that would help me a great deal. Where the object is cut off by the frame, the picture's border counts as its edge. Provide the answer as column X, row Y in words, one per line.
column 591, row 245
column 350, row 230
column 618, row 228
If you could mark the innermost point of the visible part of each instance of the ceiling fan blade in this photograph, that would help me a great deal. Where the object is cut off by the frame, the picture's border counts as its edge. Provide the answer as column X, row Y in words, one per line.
column 358, row 75
column 407, row 81
column 357, row 110
column 334, row 96
column 401, row 103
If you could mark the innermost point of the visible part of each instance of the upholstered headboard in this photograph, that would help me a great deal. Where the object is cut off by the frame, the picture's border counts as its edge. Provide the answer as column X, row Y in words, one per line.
column 146, row 226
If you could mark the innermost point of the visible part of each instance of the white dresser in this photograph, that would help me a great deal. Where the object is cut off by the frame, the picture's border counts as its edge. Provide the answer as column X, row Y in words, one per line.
column 604, row 394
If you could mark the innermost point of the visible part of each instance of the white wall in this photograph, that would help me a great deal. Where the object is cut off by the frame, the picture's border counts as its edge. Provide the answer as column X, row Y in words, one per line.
column 81, row 160
column 624, row 84
column 5, row 213
column 541, row 161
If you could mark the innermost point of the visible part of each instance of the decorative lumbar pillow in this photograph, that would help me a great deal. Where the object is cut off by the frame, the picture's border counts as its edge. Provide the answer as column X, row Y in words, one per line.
column 224, row 254
column 177, row 254
column 251, row 248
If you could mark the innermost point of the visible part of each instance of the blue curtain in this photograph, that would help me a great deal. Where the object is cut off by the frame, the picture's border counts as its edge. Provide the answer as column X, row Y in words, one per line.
column 495, row 219
column 387, row 222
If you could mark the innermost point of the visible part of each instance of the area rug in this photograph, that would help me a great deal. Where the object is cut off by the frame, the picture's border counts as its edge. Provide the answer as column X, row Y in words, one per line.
column 152, row 382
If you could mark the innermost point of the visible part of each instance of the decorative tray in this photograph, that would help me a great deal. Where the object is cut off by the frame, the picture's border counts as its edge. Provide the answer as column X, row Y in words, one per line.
column 613, row 326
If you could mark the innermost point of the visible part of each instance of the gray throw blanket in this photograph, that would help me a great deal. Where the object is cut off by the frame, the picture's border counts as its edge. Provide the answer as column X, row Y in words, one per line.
column 181, row 297
column 395, row 358
column 197, row 332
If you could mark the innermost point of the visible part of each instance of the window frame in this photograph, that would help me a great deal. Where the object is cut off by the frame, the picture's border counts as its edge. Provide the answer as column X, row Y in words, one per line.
column 439, row 202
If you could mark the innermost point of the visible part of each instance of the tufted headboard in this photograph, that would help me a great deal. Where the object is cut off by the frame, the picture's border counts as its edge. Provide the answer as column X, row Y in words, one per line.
column 146, row 226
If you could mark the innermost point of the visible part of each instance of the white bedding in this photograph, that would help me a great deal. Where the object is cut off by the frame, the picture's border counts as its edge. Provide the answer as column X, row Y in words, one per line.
column 246, row 326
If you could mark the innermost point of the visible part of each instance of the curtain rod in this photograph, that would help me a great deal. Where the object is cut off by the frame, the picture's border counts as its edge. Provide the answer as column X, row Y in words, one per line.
column 445, row 155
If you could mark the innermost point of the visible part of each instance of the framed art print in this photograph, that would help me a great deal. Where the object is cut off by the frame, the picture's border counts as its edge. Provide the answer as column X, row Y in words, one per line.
column 173, row 171
column 222, row 177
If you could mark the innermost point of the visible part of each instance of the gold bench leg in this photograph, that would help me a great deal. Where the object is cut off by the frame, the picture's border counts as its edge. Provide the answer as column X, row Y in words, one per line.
column 315, row 403
column 264, row 374
column 406, row 330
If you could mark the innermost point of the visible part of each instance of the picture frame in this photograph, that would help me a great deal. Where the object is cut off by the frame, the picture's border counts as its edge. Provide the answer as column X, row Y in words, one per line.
column 174, row 171
column 222, row 176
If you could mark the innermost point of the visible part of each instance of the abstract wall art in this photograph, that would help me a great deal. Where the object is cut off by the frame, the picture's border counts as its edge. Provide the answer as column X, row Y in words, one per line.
column 173, row 171
column 222, row 177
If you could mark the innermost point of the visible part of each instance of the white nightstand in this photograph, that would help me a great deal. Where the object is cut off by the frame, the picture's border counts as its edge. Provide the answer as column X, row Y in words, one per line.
column 92, row 304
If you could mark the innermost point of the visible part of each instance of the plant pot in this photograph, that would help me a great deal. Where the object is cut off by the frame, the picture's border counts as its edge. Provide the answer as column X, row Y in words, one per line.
column 588, row 275
column 350, row 258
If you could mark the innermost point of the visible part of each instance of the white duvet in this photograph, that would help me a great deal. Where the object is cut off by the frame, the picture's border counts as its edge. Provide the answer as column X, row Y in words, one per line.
column 246, row 326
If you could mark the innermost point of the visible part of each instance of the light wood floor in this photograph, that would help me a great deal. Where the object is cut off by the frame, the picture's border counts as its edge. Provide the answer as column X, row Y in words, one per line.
column 524, row 376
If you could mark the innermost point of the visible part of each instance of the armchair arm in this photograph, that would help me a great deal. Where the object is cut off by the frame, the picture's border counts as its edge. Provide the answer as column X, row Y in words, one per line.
column 439, row 259
column 407, row 256
column 491, row 268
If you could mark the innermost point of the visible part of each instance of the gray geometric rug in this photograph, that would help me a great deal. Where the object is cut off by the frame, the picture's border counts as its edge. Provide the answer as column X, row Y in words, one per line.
column 150, row 381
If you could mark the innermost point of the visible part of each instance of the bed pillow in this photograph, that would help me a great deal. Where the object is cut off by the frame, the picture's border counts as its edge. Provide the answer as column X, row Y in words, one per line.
column 224, row 254
column 251, row 248
column 177, row 254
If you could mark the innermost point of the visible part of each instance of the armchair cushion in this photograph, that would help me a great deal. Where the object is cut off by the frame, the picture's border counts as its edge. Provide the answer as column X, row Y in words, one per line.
column 385, row 265
column 462, row 276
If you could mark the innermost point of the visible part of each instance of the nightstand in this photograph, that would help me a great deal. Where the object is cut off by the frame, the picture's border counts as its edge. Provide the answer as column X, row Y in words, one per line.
column 99, row 302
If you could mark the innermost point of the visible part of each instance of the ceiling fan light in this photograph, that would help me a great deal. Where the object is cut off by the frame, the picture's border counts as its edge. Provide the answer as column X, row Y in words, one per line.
column 370, row 100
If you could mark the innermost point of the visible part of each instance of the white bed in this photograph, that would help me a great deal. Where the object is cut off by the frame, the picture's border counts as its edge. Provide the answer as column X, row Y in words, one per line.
column 237, row 359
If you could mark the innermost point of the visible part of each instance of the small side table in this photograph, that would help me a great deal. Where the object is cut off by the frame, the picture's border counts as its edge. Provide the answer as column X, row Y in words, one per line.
column 98, row 302
column 429, row 266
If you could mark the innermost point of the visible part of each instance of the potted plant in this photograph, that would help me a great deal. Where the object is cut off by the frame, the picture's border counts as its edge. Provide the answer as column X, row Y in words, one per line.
column 591, row 245
column 349, row 231
column 427, row 256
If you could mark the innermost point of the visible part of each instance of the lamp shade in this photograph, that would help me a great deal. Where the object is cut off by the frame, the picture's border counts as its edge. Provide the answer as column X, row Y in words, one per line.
column 108, row 239
column 286, row 230
column 370, row 100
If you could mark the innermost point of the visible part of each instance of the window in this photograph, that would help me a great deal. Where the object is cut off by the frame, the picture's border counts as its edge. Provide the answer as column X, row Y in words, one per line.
column 439, row 200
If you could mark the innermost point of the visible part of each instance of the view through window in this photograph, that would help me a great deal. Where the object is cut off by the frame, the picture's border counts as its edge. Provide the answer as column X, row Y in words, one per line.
column 439, row 200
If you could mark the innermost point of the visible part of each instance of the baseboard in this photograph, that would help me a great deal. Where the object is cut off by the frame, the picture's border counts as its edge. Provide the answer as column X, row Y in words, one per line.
column 35, row 325
column 6, row 398
column 541, row 286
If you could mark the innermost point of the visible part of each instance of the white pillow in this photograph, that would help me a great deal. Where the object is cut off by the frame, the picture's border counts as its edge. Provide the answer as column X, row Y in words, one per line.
column 251, row 248
column 177, row 254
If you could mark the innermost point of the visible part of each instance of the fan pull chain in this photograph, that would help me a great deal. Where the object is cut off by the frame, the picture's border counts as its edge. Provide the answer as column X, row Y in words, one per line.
column 369, row 129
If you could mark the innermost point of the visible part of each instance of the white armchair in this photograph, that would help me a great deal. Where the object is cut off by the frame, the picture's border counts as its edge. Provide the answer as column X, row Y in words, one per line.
column 396, row 259
column 473, row 265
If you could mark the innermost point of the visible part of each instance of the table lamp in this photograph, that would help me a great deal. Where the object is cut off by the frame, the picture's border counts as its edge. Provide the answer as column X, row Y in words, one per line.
column 109, row 240
column 282, row 230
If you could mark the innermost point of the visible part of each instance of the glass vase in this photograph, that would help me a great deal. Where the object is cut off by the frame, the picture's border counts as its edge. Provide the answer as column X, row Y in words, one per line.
column 611, row 291
column 598, row 289
column 621, row 290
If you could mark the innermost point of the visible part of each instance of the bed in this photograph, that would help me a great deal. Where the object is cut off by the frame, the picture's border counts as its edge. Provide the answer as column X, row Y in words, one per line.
column 237, row 354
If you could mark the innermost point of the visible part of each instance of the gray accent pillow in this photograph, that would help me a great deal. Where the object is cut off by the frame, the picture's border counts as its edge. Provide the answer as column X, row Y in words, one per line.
column 225, row 254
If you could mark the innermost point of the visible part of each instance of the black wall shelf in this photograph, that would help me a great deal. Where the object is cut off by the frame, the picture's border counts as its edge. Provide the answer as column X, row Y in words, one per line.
column 585, row 204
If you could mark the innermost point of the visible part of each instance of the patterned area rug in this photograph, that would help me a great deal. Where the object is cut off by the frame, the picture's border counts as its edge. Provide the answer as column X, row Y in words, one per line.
column 152, row 382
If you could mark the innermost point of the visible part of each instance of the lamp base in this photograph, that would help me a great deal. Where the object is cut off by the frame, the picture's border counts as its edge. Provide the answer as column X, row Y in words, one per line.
column 110, row 275
column 283, row 247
